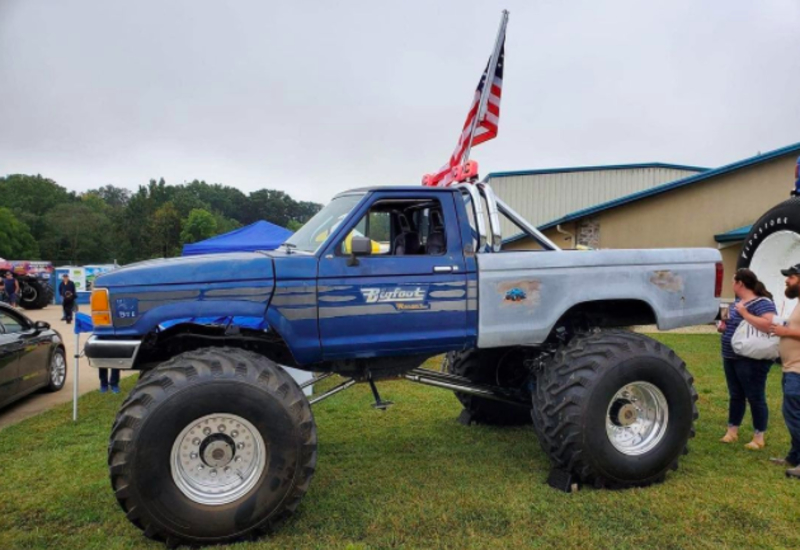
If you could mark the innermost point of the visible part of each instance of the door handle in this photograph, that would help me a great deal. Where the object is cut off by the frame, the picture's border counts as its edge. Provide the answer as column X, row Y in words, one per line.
column 445, row 268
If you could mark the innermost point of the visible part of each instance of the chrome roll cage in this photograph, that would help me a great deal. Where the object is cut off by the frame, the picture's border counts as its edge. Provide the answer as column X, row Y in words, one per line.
column 480, row 192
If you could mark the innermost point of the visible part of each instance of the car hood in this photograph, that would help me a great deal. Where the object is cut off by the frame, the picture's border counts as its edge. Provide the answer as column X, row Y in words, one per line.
column 210, row 268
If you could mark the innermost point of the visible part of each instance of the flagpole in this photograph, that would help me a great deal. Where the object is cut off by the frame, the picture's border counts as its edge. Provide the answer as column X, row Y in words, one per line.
column 487, row 85
column 75, row 375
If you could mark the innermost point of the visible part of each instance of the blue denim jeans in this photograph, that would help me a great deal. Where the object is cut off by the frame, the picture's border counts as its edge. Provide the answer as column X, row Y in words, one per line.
column 104, row 377
column 791, row 413
column 747, row 383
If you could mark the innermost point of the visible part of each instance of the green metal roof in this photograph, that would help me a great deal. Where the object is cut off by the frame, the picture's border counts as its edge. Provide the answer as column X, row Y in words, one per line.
column 595, row 168
column 734, row 235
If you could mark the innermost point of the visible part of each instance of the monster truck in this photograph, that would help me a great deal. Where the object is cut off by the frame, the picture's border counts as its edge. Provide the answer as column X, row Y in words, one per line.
column 35, row 291
column 217, row 443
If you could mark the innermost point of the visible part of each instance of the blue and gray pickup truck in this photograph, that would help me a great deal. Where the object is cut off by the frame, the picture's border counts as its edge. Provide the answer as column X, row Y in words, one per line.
column 217, row 443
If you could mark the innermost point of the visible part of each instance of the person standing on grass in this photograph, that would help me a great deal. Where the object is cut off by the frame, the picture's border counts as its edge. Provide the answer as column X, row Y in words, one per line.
column 790, row 359
column 105, row 383
column 66, row 289
column 746, row 377
column 11, row 287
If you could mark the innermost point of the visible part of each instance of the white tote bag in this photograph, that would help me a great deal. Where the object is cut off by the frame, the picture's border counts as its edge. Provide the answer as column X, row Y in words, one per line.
column 750, row 342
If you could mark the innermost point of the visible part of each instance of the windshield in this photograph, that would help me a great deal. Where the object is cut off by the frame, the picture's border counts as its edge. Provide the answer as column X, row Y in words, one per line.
column 311, row 236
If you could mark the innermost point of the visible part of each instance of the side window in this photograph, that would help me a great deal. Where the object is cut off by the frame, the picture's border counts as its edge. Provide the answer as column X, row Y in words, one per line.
column 403, row 227
column 376, row 226
column 11, row 324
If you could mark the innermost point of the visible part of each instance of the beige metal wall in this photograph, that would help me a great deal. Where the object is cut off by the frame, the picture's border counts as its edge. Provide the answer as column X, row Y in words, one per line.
column 542, row 198
column 691, row 216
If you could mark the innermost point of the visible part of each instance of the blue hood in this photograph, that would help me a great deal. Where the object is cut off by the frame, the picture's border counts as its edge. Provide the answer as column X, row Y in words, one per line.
column 211, row 268
column 161, row 292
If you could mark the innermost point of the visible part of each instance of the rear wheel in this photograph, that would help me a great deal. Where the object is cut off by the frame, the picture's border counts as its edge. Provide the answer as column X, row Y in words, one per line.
column 496, row 367
column 616, row 409
column 34, row 294
column 215, row 445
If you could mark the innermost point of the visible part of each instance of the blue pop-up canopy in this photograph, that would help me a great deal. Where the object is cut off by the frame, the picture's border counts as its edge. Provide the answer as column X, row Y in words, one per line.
column 261, row 235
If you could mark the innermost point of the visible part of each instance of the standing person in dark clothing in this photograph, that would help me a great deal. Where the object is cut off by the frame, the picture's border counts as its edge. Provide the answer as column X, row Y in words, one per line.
column 66, row 289
column 11, row 286
column 746, row 377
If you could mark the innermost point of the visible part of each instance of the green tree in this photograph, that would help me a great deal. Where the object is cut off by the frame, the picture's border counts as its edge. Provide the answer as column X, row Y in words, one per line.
column 31, row 197
column 165, row 228
column 78, row 234
column 115, row 197
column 225, row 225
column 294, row 225
column 198, row 226
column 16, row 241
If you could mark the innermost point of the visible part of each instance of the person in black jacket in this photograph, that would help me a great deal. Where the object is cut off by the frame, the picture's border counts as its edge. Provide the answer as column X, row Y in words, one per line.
column 66, row 289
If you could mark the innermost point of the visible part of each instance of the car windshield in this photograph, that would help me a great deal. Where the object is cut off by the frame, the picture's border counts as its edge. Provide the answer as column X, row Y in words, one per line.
column 311, row 236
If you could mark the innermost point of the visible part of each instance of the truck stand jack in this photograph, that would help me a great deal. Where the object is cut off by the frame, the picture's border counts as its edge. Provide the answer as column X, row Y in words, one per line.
column 379, row 403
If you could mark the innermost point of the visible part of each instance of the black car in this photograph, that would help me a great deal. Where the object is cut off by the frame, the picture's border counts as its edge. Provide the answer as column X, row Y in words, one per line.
column 32, row 356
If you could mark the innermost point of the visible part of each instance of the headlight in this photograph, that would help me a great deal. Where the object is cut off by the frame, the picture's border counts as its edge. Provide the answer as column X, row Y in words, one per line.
column 101, row 310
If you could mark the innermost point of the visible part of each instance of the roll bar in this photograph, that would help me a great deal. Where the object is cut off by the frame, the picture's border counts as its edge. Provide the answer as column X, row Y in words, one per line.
column 495, row 206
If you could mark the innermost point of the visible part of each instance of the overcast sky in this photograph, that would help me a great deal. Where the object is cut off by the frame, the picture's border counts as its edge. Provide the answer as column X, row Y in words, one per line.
column 317, row 97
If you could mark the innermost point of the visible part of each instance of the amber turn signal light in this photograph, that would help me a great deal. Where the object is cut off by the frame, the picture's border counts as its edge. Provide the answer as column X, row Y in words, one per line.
column 101, row 310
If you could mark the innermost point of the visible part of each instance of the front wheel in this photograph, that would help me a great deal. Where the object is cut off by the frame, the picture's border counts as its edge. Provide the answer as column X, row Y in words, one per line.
column 215, row 445
column 616, row 409
column 57, row 371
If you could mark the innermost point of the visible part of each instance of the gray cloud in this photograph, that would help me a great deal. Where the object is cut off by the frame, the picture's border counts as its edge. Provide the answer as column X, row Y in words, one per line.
column 316, row 97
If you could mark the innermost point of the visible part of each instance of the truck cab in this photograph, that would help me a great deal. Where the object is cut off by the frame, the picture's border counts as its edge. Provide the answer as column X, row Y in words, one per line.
column 410, row 289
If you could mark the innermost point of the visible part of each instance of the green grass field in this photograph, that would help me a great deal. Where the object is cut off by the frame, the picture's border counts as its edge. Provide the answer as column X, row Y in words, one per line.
column 412, row 477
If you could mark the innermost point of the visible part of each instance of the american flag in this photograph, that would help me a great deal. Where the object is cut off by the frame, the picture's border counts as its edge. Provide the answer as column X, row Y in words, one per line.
column 486, row 128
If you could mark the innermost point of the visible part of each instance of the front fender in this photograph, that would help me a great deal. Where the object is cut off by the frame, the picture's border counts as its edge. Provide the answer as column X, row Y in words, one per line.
column 137, row 310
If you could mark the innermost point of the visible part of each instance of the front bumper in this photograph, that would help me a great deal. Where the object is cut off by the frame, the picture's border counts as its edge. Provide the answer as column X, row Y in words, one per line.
column 111, row 354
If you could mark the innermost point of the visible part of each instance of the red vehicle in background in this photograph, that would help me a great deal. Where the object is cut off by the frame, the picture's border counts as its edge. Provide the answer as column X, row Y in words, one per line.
column 35, row 281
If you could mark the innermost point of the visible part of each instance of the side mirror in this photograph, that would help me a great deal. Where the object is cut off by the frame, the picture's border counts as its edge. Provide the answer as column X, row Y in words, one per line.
column 41, row 325
column 359, row 246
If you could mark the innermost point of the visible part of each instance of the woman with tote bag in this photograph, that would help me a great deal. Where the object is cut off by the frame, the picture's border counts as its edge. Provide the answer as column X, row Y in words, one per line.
column 747, row 377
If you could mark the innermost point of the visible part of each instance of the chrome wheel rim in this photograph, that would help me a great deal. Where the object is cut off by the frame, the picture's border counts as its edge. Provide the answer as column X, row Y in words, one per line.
column 637, row 418
column 58, row 370
column 218, row 459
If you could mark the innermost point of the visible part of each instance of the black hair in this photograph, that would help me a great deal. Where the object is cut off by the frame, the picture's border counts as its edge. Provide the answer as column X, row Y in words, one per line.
column 751, row 282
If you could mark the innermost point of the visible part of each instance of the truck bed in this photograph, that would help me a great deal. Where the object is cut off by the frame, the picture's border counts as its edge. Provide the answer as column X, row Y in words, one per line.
column 523, row 294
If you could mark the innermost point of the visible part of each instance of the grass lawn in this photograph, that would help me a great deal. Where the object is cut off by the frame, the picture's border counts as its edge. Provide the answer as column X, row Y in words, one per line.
column 412, row 477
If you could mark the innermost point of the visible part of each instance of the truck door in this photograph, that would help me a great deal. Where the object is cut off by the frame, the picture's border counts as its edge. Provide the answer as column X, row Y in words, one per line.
column 409, row 295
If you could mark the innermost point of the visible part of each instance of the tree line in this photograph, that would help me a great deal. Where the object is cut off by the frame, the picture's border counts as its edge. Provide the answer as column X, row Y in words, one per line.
column 41, row 220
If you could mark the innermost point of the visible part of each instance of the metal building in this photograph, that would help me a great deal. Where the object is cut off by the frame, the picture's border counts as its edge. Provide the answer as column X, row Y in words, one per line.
column 542, row 196
column 711, row 208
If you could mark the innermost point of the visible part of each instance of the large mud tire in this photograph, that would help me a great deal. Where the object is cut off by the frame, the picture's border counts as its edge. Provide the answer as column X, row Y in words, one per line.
column 772, row 244
column 149, row 431
column 577, row 400
column 481, row 367
column 37, row 295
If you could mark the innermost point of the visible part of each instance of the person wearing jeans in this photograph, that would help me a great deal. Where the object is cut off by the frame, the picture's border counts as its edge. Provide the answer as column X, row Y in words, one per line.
column 105, row 383
column 747, row 381
column 790, row 360
column 746, row 377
